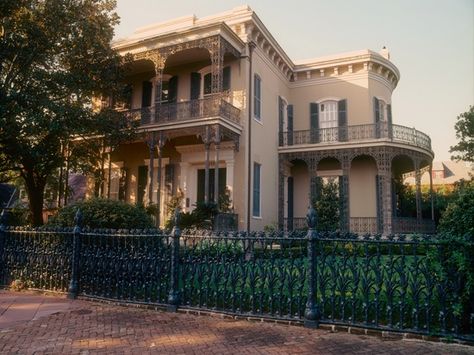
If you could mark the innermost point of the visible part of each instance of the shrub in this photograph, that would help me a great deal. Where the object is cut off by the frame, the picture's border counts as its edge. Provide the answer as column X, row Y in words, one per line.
column 456, row 230
column 102, row 213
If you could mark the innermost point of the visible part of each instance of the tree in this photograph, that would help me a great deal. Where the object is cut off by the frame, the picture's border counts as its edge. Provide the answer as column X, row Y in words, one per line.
column 465, row 133
column 55, row 58
column 327, row 206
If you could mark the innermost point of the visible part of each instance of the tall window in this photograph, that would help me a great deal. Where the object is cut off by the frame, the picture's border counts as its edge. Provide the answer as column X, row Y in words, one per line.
column 328, row 121
column 382, row 110
column 256, row 190
column 257, row 97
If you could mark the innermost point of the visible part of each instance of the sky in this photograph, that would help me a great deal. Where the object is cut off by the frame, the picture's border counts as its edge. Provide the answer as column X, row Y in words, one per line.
column 430, row 41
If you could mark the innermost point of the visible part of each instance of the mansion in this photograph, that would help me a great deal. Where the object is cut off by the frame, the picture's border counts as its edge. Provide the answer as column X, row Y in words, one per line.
column 222, row 109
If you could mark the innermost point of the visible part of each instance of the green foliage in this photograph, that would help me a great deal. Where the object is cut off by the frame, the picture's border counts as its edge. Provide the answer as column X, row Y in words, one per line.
column 202, row 217
column 465, row 133
column 18, row 216
column 55, row 59
column 327, row 206
column 225, row 202
column 456, row 230
column 102, row 213
column 458, row 219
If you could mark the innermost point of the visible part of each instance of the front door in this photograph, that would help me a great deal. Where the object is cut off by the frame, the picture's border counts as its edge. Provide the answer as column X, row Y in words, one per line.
column 201, row 183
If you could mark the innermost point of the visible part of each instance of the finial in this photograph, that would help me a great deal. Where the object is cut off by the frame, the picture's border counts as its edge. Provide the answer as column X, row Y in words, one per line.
column 311, row 217
column 78, row 218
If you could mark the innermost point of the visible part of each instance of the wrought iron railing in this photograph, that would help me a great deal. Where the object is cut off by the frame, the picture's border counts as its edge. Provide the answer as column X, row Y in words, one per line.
column 296, row 223
column 208, row 107
column 395, row 283
column 363, row 225
column 357, row 133
column 412, row 225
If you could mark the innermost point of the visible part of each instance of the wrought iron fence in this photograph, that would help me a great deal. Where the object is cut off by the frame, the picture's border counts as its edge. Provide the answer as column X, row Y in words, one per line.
column 357, row 133
column 212, row 106
column 395, row 283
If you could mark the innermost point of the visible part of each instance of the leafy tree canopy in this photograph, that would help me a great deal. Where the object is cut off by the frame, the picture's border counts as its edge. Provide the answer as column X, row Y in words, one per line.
column 465, row 133
column 55, row 58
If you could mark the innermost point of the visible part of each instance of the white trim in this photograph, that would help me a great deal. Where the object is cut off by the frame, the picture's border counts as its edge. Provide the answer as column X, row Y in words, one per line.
column 328, row 98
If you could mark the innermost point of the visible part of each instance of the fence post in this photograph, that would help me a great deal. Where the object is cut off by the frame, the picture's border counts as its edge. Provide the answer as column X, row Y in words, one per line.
column 3, row 226
column 76, row 255
column 173, row 295
column 311, row 313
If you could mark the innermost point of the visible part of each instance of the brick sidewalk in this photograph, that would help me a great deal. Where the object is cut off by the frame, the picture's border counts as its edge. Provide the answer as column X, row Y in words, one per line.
column 88, row 327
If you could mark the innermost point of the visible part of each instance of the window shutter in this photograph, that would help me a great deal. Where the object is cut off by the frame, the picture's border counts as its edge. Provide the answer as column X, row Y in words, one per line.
column 226, row 79
column 376, row 117
column 257, row 97
column 290, row 225
column 342, row 119
column 314, row 122
column 146, row 93
column 122, row 194
column 195, row 86
column 173, row 89
column 289, row 110
column 280, row 120
column 389, row 120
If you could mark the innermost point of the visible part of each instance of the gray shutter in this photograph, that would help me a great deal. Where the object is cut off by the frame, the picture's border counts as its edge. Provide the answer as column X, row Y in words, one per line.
column 289, row 110
column 342, row 119
column 376, row 117
column 173, row 89
column 226, row 78
column 289, row 223
column 389, row 120
column 280, row 121
column 195, row 86
column 146, row 93
column 314, row 122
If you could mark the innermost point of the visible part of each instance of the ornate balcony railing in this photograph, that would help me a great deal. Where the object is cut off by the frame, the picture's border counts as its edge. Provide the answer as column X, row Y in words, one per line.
column 296, row 223
column 413, row 225
column 357, row 133
column 363, row 225
column 186, row 110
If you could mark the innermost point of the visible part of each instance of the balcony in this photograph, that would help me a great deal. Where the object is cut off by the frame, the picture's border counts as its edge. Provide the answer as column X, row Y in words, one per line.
column 186, row 111
column 357, row 133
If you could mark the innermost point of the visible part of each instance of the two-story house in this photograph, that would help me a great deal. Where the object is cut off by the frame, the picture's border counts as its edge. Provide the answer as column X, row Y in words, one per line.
column 220, row 105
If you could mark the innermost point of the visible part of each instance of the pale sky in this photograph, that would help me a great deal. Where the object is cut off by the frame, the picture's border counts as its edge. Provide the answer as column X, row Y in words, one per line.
column 430, row 41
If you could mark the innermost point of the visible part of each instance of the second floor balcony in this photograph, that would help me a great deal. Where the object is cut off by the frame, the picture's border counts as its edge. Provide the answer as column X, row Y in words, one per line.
column 382, row 131
column 191, row 111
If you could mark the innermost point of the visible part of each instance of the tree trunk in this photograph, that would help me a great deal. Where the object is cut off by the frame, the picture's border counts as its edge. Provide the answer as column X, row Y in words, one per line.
column 35, row 190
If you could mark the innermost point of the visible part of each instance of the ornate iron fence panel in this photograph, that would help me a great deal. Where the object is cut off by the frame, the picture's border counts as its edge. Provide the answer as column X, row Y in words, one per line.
column 388, row 284
column 36, row 258
column 401, row 283
column 126, row 266
column 254, row 274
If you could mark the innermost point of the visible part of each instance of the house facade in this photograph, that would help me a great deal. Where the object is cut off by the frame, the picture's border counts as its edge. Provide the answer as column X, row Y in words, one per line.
column 222, row 109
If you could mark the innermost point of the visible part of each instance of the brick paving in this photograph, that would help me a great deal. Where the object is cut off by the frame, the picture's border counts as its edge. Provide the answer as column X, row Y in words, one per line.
column 84, row 327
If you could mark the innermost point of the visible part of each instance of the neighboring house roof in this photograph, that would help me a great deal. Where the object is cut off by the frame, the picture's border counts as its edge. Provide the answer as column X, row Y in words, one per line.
column 445, row 173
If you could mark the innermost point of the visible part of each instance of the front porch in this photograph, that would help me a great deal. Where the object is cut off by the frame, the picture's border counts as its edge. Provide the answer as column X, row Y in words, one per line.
column 368, row 194
column 174, row 167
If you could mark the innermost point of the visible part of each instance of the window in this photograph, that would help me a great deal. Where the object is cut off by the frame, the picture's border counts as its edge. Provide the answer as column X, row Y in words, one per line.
column 164, row 91
column 382, row 110
column 257, row 97
column 328, row 121
column 256, row 190
column 207, row 84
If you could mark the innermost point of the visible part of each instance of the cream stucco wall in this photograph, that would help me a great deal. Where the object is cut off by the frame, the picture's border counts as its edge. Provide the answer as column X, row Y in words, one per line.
column 362, row 188
column 265, row 138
